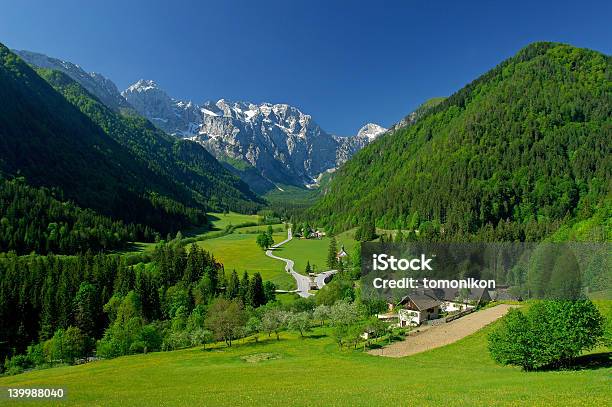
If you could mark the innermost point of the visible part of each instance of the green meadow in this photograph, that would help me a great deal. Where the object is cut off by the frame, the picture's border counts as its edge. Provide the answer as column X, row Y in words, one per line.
column 239, row 251
column 220, row 221
column 315, row 250
column 313, row 372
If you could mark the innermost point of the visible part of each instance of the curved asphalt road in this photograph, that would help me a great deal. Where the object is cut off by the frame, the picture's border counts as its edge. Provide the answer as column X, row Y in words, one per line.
column 302, row 281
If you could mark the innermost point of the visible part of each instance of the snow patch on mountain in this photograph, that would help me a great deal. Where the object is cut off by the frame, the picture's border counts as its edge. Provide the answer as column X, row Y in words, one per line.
column 285, row 145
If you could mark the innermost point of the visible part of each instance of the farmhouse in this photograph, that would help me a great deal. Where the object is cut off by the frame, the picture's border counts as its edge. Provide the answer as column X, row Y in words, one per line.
column 456, row 299
column 427, row 304
column 418, row 308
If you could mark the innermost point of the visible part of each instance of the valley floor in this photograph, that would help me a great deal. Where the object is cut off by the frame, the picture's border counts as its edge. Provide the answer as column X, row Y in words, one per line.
column 313, row 372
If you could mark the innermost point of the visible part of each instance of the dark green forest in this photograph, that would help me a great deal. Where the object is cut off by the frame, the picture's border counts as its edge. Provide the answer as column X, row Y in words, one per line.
column 39, row 220
column 514, row 155
column 43, row 295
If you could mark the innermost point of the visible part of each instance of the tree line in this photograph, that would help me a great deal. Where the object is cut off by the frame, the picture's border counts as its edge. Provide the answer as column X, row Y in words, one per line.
column 105, row 302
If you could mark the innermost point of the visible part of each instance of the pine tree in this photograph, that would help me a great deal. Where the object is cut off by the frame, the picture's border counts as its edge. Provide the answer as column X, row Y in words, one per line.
column 211, row 272
column 233, row 286
column 270, row 291
column 332, row 260
column 255, row 293
column 86, row 309
column 244, row 287
column 193, row 266
column 47, row 318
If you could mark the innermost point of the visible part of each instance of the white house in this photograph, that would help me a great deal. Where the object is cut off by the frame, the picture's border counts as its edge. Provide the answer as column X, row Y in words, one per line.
column 428, row 304
column 341, row 254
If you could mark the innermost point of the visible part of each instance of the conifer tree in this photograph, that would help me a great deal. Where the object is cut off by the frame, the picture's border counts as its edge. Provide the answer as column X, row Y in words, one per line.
column 233, row 286
column 332, row 260
column 244, row 287
column 255, row 294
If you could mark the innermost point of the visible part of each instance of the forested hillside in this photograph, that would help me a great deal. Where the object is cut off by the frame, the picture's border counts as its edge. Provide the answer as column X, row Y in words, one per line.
column 186, row 163
column 513, row 155
column 120, row 167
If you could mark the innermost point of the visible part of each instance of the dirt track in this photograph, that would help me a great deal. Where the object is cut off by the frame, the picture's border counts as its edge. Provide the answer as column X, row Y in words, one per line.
column 433, row 337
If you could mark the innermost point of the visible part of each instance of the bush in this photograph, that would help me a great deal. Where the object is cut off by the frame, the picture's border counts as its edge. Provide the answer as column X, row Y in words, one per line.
column 549, row 334
column 17, row 364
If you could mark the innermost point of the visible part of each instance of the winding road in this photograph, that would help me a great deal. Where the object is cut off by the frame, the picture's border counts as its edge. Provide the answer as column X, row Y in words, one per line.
column 302, row 281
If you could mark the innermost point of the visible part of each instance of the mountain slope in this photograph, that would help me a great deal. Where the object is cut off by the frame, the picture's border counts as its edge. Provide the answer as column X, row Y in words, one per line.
column 518, row 150
column 51, row 143
column 265, row 144
column 418, row 113
column 198, row 176
column 96, row 84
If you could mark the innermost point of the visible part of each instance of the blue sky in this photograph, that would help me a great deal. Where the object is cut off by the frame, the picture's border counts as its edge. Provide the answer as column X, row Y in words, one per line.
column 344, row 62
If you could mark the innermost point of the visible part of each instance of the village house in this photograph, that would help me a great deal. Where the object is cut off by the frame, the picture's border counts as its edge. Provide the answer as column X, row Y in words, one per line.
column 317, row 234
column 456, row 299
column 426, row 304
column 341, row 254
column 414, row 309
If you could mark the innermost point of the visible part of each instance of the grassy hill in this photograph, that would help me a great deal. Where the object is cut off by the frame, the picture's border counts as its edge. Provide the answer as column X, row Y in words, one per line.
column 511, row 156
column 313, row 372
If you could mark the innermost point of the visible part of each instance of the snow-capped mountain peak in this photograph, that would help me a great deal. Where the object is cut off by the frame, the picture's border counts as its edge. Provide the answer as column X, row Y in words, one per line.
column 277, row 142
column 266, row 143
column 371, row 131
column 173, row 116
column 142, row 85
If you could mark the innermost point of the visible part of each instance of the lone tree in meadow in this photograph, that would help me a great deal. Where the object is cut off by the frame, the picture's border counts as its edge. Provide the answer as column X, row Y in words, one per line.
column 225, row 319
column 264, row 240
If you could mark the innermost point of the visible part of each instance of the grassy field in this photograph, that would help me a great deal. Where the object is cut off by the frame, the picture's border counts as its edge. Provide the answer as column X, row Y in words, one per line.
column 313, row 372
column 239, row 251
column 315, row 250
column 220, row 221
column 261, row 228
